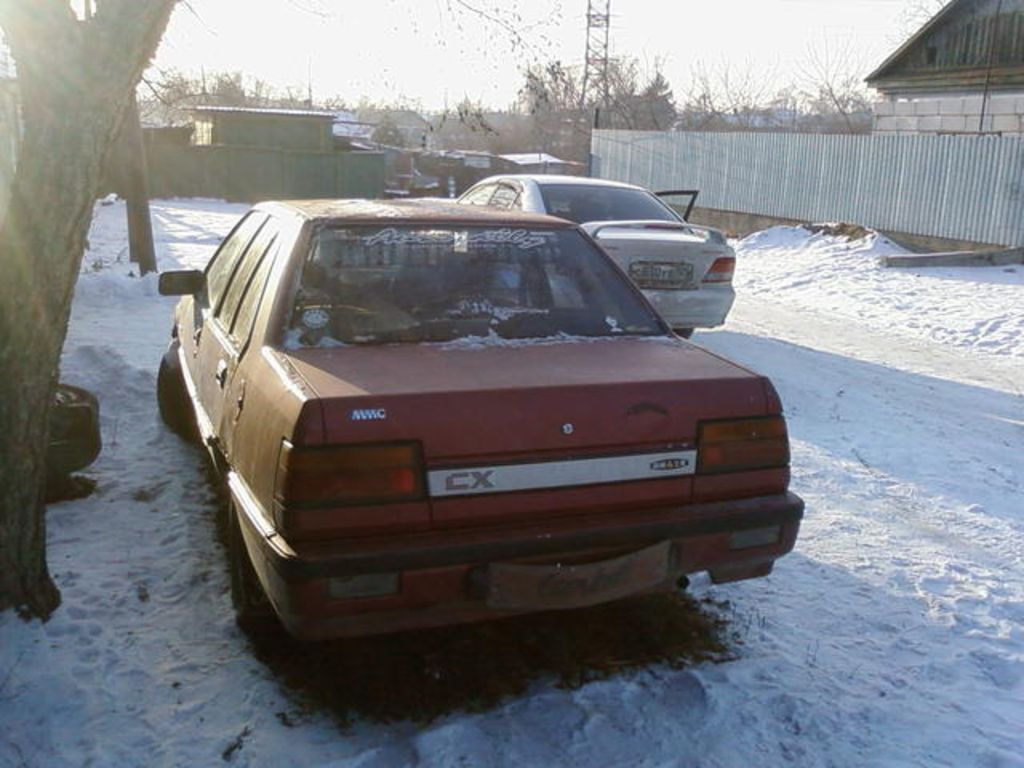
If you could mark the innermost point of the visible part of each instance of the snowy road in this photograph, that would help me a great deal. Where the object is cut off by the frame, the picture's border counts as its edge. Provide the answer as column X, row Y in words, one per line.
column 893, row 636
column 900, row 619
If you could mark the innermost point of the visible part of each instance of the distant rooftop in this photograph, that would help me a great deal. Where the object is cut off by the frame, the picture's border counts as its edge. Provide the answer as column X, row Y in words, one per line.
column 536, row 158
column 266, row 111
column 348, row 126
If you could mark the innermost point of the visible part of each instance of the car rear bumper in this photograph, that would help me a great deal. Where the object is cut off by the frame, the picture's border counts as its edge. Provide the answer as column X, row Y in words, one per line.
column 706, row 307
column 446, row 576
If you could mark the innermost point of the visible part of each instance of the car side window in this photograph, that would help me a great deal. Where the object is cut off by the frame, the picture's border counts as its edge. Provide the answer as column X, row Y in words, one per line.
column 506, row 196
column 247, row 267
column 224, row 262
column 479, row 196
column 245, row 318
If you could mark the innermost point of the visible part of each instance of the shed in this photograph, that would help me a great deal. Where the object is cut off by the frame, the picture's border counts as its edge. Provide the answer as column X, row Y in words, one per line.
column 962, row 72
column 542, row 162
column 294, row 129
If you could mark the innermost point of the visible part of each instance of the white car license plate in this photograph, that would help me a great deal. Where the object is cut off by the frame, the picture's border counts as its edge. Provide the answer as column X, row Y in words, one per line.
column 661, row 275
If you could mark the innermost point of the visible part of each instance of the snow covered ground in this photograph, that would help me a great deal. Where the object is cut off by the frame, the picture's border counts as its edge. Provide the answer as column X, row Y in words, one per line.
column 893, row 636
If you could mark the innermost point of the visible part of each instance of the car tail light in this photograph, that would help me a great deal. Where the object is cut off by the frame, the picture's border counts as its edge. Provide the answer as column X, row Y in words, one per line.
column 742, row 444
column 721, row 270
column 343, row 475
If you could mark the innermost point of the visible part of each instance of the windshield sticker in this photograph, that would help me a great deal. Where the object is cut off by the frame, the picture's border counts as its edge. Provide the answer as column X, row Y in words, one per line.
column 315, row 318
column 519, row 238
column 613, row 324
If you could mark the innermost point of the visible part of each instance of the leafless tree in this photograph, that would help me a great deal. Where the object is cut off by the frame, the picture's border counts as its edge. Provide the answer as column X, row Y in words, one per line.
column 725, row 97
column 638, row 99
column 916, row 15
column 833, row 87
column 76, row 78
column 168, row 94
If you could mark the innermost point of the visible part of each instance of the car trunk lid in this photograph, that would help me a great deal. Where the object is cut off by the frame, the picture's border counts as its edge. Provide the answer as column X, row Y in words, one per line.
column 661, row 255
column 516, row 429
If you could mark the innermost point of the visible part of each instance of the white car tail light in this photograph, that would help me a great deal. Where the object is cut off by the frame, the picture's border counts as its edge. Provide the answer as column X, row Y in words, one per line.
column 721, row 270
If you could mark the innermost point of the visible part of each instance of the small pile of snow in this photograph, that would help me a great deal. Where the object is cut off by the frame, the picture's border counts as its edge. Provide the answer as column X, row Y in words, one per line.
column 843, row 279
column 825, row 239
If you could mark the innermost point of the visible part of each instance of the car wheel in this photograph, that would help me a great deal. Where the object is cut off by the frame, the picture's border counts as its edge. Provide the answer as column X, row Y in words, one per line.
column 253, row 611
column 74, row 431
column 684, row 332
column 172, row 399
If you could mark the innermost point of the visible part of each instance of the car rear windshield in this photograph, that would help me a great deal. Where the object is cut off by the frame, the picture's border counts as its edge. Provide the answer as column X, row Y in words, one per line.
column 591, row 202
column 377, row 285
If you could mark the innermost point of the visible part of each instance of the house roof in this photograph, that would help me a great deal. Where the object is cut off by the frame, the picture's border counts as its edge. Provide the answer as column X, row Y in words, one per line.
column 923, row 32
column 535, row 158
column 307, row 113
column 968, row 46
column 348, row 126
column 402, row 118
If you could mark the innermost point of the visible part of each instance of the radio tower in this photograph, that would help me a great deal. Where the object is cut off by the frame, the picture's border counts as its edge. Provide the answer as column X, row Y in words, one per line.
column 595, row 72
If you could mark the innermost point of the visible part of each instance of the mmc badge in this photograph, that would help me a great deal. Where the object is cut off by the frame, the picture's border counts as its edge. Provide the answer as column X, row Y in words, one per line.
column 368, row 414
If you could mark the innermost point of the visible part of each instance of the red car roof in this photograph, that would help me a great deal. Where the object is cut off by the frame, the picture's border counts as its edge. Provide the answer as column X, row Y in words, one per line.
column 412, row 211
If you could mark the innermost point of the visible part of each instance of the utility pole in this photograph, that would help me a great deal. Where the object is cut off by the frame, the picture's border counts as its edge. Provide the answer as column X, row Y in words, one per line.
column 595, row 71
column 309, row 82
column 993, row 41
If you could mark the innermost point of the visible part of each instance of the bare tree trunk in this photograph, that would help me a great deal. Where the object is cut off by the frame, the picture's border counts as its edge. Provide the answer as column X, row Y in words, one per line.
column 75, row 81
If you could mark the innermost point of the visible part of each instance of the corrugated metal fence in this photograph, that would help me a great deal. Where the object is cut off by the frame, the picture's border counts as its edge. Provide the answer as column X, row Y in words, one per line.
column 955, row 187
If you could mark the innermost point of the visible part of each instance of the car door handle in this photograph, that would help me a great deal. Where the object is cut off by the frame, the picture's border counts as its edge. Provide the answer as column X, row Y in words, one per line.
column 222, row 373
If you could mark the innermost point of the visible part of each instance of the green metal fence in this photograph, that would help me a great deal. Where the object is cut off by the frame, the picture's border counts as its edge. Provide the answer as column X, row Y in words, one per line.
column 251, row 174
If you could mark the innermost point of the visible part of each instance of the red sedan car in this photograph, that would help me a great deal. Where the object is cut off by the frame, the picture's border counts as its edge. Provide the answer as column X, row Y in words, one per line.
column 430, row 414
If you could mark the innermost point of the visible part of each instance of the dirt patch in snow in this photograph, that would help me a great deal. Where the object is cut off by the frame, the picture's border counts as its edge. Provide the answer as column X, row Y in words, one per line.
column 841, row 229
column 423, row 675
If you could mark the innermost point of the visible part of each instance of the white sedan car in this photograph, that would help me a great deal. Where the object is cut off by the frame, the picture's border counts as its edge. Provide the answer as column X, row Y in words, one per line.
column 684, row 270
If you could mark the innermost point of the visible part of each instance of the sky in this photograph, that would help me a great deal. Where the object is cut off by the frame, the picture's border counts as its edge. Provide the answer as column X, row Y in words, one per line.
column 430, row 53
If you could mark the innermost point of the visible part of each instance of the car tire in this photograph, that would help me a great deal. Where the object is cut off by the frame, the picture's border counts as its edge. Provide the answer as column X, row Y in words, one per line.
column 683, row 332
column 253, row 611
column 173, row 402
column 74, row 431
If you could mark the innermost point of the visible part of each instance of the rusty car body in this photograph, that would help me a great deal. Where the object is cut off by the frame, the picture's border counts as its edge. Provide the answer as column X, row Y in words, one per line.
column 431, row 414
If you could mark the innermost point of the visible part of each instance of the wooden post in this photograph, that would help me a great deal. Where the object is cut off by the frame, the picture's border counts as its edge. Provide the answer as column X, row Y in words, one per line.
column 133, row 175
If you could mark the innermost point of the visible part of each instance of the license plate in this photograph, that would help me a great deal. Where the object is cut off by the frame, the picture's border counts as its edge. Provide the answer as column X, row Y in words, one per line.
column 661, row 275
column 546, row 587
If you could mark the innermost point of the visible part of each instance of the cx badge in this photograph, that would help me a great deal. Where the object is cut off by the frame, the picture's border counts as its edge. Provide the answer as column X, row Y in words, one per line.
column 470, row 481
